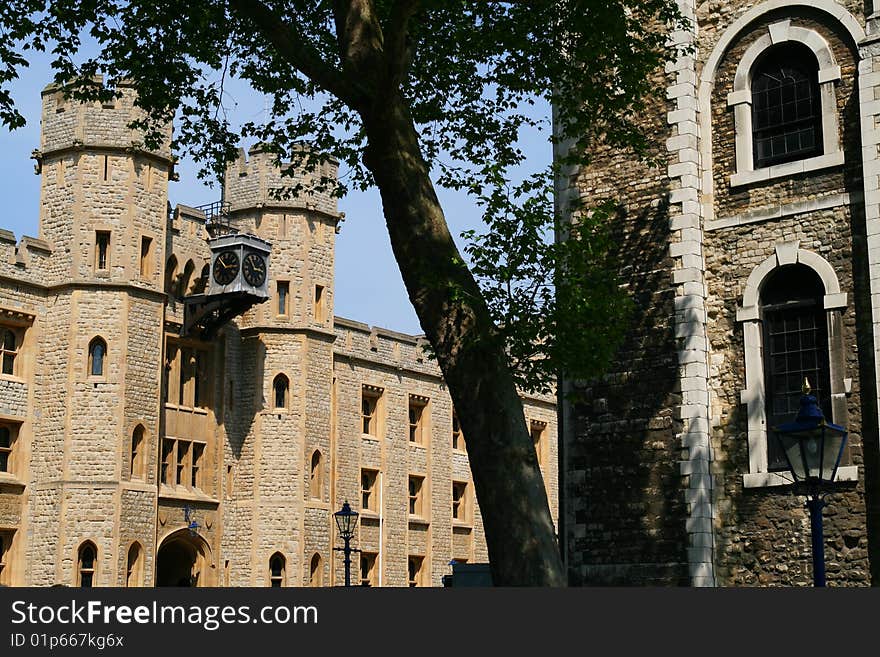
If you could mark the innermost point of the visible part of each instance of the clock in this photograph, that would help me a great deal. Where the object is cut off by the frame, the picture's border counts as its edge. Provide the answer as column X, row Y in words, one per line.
column 254, row 269
column 226, row 267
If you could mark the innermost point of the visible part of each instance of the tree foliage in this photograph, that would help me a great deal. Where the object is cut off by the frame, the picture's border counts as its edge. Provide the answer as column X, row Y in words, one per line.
column 402, row 91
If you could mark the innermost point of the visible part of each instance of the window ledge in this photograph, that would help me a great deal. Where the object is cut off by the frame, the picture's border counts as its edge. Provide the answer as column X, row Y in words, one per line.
column 366, row 514
column 9, row 481
column 418, row 520
column 412, row 443
column 12, row 378
column 182, row 493
column 369, row 436
column 826, row 161
column 770, row 479
column 462, row 525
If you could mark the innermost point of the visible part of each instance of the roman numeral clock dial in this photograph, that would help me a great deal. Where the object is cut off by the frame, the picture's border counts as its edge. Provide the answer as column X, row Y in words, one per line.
column 225, row 267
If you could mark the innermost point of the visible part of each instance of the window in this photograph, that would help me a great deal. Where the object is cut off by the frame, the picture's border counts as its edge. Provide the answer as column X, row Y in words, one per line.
column 316, row 571
column 106, row 167
column 536, row 428
column 370, row 396
column 86, row 565
column 369, row 495
column 796, row 347
column 280, row 388
column 369, row 571
column 457, row 437
column 5, row 548
column 170, row 275
column 460, row 511
column 146, row 256
column 415, row 570
column 785, row 108
column 9, row 349
column 186, row 279
column 319, row 303
column 277, row 574
column 786, row 111
column 138, row 453
column 182, row 463
column 792, row 326
column 283, row 290
column 97, row 352
column 134, row 573
column 8, row 435
column 417, row 433
column 415, row 495
column 316, row 476
column 102, row 248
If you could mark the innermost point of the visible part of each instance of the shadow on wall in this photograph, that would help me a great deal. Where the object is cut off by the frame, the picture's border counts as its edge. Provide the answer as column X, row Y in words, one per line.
column 626, row 510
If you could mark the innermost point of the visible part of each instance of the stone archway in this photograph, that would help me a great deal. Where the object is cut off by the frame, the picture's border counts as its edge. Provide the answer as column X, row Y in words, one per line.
column 183, row 559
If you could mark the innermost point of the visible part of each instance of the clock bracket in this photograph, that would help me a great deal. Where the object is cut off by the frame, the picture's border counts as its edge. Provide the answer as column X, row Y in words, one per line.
column 207, row 313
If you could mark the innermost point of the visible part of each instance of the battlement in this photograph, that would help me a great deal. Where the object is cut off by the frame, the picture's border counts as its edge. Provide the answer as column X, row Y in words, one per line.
column 68, row 124
column 255, row 180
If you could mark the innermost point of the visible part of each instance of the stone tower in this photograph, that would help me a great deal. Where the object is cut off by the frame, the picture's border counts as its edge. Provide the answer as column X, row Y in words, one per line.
column 281, row 449
column 103, row 213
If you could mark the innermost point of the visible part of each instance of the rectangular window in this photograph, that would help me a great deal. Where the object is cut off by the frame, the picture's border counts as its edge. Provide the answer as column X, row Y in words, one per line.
column 5, row 547
column 102, row 249
column 183, row 456
column 457, row 437
column 106, row 167
column 283, row 289
column 460, row 509
column 369, row 569
column 10, row 342
column 369, row 494
column 198, row 453
column 536, row 428
column 146, row 256
column 415, row 570
column 282, row 226
column 168, row 452
column 415, row 495
column 319, row 303
column 370, row 396
column 417, row 432
column 8, row 435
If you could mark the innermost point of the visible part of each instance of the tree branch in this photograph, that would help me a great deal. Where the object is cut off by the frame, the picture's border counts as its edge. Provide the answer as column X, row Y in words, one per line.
column 361, row 42
column 397, row 44
column 294, row 47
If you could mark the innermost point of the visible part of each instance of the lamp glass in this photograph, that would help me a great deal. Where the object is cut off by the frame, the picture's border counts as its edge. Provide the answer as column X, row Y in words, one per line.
column 346, row 520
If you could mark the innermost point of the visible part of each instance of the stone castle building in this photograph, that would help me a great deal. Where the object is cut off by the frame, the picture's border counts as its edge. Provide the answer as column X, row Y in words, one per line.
column 753, row 256
column 136, row 453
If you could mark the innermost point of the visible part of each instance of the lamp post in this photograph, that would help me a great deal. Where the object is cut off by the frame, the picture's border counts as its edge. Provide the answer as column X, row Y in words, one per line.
column 346, row 522
column 813, row 448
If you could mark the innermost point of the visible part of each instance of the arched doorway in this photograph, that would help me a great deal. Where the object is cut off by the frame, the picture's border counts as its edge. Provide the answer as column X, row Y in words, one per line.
column 183, row 560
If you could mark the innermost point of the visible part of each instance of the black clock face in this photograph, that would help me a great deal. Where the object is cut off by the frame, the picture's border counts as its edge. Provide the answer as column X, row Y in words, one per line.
column 225, row 267
column 254, row 269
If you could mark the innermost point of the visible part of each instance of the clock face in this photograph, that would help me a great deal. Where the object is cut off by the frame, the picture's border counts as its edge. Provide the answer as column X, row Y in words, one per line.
column 225, row 267
column 254, row 269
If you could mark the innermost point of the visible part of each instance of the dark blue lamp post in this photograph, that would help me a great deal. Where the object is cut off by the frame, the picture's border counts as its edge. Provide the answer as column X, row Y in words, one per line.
column 346, row 522
column 813, row 448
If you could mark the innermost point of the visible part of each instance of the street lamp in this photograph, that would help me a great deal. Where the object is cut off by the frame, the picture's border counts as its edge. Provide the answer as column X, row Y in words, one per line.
column 813, row 448
column 346, row 521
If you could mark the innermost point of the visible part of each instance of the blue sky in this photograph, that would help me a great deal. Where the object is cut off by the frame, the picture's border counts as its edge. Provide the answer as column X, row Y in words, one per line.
column 368, row 283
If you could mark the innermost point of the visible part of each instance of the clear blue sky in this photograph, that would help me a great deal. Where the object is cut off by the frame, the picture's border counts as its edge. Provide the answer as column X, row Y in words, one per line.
column 368, row 283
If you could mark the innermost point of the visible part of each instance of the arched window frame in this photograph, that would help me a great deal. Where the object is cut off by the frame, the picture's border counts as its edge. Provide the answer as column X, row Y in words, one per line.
column 316, row 475
column 280, row 397
column 316, row 570
column 170, row 275
column 138, row 451
column 134, row 568
column 834, row 302
column 94, row 343
column 740, row 99
column 277, row 575
column 92, row 572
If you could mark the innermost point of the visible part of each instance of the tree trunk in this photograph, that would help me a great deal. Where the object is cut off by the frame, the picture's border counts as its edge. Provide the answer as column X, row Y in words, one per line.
column 523, row 548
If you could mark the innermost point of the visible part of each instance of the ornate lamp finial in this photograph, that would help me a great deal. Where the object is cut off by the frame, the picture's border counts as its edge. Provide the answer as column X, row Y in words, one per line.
column 806, row 389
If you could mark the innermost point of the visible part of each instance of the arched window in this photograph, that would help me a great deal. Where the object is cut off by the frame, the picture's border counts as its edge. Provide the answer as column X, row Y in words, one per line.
column 97, row 352
column 795, row 336
column 134, row 572
column 138, row 452
column 281, row 387
column 201, row 283
column 86, row 567
column 170, row 275
column 186, row 279
column 316, row 571
column 786, row 110
column 316, row 476
column 277, row 575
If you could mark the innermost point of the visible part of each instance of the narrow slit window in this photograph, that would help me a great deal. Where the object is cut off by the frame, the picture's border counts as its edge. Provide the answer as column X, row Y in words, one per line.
column 277, row 570
column 88, row 555
column 97, row 354
column 9, row 348
column 102, row 250
column 283, row 288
